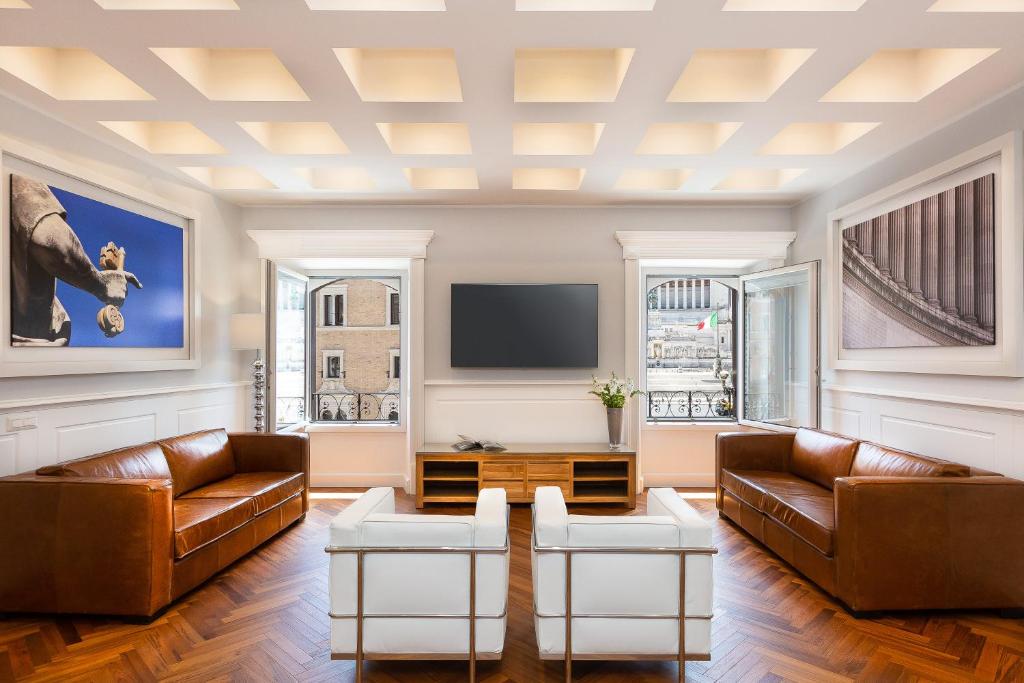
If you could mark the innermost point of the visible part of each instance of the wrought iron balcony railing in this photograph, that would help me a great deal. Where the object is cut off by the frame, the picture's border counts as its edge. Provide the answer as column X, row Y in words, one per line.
column 690, row 405
column 381, row 407
column 290, row 409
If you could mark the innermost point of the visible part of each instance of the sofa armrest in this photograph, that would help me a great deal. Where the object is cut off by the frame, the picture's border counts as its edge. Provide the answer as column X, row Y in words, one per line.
column 925, row 542
column 267, row 452
column 85, row 545
column 751, row 451
column 694, row 530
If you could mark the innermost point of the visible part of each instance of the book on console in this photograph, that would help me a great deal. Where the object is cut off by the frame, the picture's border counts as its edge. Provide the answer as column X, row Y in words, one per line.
column 468, row 443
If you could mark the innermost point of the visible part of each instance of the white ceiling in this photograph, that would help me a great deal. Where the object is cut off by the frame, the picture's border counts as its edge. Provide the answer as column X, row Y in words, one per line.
column 807, row 54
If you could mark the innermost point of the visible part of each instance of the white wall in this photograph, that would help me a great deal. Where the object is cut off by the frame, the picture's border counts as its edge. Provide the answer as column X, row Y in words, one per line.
column 81, row 414
column 515, row 244
column 974, row 420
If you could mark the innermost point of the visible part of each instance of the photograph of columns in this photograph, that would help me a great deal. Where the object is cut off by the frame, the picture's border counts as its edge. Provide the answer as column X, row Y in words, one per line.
column 924, row 274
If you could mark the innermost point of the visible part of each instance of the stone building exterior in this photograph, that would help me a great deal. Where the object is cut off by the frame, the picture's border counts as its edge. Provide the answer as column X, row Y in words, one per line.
column 357, row 347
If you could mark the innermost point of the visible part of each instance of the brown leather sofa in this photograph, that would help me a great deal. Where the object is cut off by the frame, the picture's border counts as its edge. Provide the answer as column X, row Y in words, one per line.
column 879, row 529
column 129, row 531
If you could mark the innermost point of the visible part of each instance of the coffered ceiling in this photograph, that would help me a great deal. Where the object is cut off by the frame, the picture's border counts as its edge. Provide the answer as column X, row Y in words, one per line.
column 510, row 101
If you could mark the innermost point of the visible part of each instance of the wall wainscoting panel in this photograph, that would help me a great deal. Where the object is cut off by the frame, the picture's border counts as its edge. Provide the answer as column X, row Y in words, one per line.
column 95, row 436
column 68, row 431
column 987, row 438
column 8, row 461
column 515, row 412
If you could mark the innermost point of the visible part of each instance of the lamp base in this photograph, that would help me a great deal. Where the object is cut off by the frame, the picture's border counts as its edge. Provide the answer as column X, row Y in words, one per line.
column 259, row 381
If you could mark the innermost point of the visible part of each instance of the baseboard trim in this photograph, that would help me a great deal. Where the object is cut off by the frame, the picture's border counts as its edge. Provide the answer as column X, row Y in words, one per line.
column 679, row 479
column 347, row 479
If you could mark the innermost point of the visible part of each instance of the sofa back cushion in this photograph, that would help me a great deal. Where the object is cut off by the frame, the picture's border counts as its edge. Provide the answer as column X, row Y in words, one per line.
column 821, row 457
column 145, row 461
column 198, row 458
column 873, row 460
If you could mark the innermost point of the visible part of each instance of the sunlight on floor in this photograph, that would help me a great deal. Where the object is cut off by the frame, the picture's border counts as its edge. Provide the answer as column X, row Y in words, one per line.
column 334, row 495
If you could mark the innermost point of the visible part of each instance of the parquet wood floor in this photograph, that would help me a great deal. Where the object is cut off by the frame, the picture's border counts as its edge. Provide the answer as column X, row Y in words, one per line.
column 264, row 619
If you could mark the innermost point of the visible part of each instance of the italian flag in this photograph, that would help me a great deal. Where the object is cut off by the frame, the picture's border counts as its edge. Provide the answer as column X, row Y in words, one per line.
column 710, row 321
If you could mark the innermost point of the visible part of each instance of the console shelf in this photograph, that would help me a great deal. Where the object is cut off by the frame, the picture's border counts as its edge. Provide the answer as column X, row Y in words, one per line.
column 586, row 473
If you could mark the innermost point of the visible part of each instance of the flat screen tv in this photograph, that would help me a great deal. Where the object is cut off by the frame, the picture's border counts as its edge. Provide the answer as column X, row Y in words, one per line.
column 524, row 326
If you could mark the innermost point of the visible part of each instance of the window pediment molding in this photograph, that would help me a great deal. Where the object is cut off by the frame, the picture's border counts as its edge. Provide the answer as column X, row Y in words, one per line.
column 696, row 244
column 299, row 244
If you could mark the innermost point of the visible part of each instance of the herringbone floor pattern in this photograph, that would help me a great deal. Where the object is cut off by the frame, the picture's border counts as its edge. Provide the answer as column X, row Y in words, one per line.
column 264, row 619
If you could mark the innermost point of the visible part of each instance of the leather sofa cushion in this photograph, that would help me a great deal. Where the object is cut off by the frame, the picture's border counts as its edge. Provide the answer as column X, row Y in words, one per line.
column 873, row 460
column 821, row 457
column 805, row 508
column 198, row 458
column 267, row 489
column 199, row 521
column 146, row 461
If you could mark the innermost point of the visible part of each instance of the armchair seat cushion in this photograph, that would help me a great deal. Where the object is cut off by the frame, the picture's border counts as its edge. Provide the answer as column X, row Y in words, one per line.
column 199, row 521
column 805, row 508
column 267, row 489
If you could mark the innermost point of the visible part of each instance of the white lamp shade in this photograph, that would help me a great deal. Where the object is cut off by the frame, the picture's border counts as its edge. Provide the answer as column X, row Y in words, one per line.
column 248, row 331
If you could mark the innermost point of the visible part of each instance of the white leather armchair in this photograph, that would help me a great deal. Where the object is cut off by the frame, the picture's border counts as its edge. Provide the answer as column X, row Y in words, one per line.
column 418, row 586
column 623, row 585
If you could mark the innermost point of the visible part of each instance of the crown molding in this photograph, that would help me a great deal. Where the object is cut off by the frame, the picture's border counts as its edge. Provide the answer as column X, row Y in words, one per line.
column 297, row 244
column 693, row 244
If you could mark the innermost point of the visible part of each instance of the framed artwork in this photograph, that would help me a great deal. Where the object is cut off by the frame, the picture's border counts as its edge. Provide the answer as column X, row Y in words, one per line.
column 926, row 276
column 95, row 276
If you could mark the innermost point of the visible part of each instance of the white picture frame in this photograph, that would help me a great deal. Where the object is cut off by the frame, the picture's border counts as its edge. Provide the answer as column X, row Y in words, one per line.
column 17, row 157
column 1005, row 157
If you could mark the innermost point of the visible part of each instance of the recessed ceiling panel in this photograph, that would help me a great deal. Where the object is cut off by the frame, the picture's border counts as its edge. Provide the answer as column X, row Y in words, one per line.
column 168, row 4
column 905, row 75
column 426, row 138
column 585, row 5
column 228, row 177
column 402, row 75
column 442, row 178
column 759, row 179
column 977, row 6
column 570, row 74
column 69, row 74
column 345, row 179
column 652, row 179
column 547, row 178
column 296, row 137
column 234, row 74
column 686, row 138
column 378, row 5
column 816, row 138
column 747, row 75
column 793, row 5
column 166, row 137
column 556, row 138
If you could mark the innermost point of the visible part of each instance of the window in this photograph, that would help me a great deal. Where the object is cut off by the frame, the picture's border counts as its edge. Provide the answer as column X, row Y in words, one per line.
column 394, row 313
column 289, row 349
column 358, row 357
column 690, row 341
column 333, row 307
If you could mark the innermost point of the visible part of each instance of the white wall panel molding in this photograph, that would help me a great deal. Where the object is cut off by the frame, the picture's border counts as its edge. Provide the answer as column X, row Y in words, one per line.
column 68, row 430
column 50, row 401
column 963, row 402
column 961, row 430
column 517, row 412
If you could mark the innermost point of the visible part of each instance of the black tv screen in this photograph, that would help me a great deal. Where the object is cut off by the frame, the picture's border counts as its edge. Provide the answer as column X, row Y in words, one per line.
column 524, row 326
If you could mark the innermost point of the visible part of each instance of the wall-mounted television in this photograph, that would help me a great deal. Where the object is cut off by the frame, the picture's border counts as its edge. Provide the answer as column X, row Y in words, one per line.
column 524, row 326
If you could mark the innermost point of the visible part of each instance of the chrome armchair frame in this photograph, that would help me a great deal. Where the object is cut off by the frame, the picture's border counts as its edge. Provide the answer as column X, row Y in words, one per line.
column 568, row 552
column 362, row 551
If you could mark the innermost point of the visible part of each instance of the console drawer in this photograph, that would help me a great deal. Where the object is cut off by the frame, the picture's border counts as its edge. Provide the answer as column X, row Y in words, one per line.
column 502, row 470
column 513, row 487
column 531, row 487
column 548, row 470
